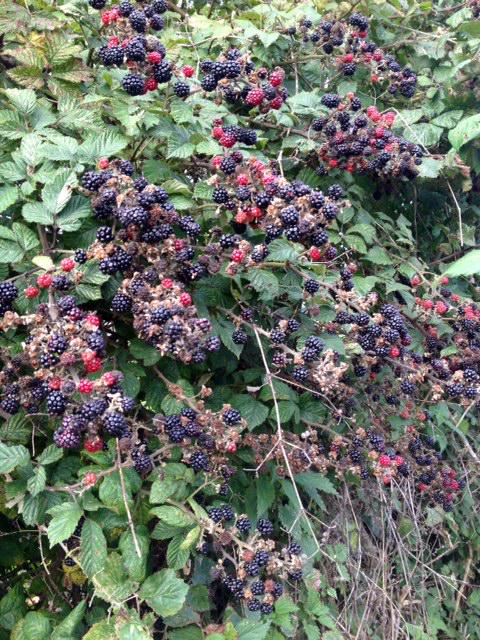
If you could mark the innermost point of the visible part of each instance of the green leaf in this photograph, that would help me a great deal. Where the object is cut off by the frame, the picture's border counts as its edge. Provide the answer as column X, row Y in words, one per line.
column 37, row 482
column 12, row 607
column 281, row 250
column 65, row 519
column 424, row 133
column 162, row 489
column 93, row 548
column 24, row 100
column 26, row 238
column 164, row 592
column 71, row 216
column 265, row 283
column 100, row 631
column 378, row 255
column 467, row 265
column 466, row 130
column 173, row 516
column 112, row 583
column 135, row 565
column 252, row 630
column 8, row 196
column 37, row 212
column 68, row 626
column 11, row 457
column 142, row 351
column 50, row 454
column 254, row 412
column 177, row 556
column 104, row 145
column 58, row 192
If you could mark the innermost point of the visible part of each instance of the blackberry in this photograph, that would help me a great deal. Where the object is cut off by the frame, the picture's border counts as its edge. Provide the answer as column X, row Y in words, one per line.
column 407, row 387
column 191, row 414
column 181, row 90
column 243, row 525
column 278, row 590
column 294, row 548
column 239, row 337
column 265, row 527
column 349, row 69
column 80, row 256
column 289, row 216
column 296, row 574
column 133, row 84
column 228, row 165
column 115, row 424
column 97, row 4
column 293, row 325
column 128, row 404
column 331, row 100
column 257, row 588
column 213, row 343
column 277, row 336
column 254, row 605
column 215, row 514
column 156, row 23
column 252, row 569
column 227, row 513
column 261, row 558
column 159, row 6
column 209, row 83
column 104, row 235
column 300, row 374
column 8, row 292
column 121, row 303
column 125, row 8
column 57, row 344
column 200, row 461
column 220, row 196
column 141, row 461
column 10, row 404
column 335, row 192
column 176, row 434
column 61, row 283
column 135, row 51
column 138, row 21
column 56, row 403
column 311, row 286
column 266, row 608
column 231, row 417
column 359, row 21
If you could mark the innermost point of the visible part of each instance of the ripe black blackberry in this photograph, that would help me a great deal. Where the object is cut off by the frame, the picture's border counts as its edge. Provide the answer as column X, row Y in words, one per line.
column 121, row 303
column 93, row 180
column 277, row 336
column 115, row 424
column 289, row 216
column 359, row 21
column 111, row 56
column 8, row 292
column 57, row 344
column 156, row 22
column 199, row 461
column 213, row 343
column 300, row 374
column 239, row 337
column 181, row 90
column 104, row 235
column 159, row 6
column 10, row 404
column 311, row 286
column 252, row 569
column 209, row 83
column 133, row 84
column 335, row 192
column 349, row 69
column 138, row 21
column 176, row 434
column 80, row 256
column 220, row 196
column 257, row 588
column 331, row 100
column 227, row 513
column 231, row 417
column 296, row 574
column 261, row 558
column 56, row 403
column 254, row 605
column 265, row 527
column 228, row 165
column 125, row 8
column 215, row 513
column 97, row 4
column 243, row 525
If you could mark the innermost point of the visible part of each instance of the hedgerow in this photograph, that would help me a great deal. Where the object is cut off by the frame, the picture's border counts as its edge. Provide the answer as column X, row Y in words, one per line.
column 240, row 336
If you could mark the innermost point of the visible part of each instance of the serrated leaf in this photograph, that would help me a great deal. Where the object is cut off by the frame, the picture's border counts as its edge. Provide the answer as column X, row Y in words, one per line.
column 173, row 516
column 104, row 145
column 281, row 250
column 12, row 607
column 466, row 130
column 177, row 556
column 8, row 196
column 467, row 265
column 22, row 99
column 93, row 548
column 164, row 592
column 58, row 192
column 68, row 626
column 71, row 216
column 11, row 457
column 112, row 584
column 50, row 454
column 253, row 411
column 25, row 237
column 44, row 262
column 378, row 255
column 37, row 482
column 65, row 519
column 136, row 566
column 37, row 212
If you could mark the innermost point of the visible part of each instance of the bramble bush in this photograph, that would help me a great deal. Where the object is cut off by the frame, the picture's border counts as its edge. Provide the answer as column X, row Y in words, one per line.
column 240, row 337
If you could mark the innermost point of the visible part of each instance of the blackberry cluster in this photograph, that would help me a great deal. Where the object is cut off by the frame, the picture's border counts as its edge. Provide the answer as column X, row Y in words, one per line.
column 264, row 565
column 236, row 79
column 259, row 197
column 348, row 41
column 205, row 438
column 361, row 141
column 132, row 43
